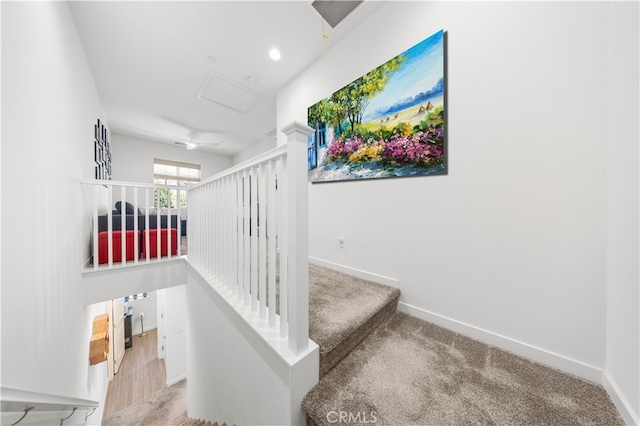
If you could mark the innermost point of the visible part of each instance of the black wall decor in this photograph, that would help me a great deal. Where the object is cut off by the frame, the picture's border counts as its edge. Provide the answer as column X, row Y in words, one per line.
column 102, row 152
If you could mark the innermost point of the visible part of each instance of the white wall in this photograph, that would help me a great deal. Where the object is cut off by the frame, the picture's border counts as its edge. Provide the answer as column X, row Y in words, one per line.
column 132, row 158
column 160, row 317
column 511, row 245
column 148, row 305
column 49, row 107
column 254, row 150
column 176, row 343
column 623, row 353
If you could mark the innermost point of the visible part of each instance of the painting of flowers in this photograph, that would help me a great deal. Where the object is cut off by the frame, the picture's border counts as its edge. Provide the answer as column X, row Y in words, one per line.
column 387, row 123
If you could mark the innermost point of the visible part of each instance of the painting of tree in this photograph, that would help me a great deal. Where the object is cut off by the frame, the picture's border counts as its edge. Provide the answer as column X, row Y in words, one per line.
column 387, row 123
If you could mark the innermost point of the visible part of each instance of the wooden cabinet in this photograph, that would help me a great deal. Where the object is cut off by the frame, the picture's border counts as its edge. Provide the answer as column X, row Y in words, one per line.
column 99, row 345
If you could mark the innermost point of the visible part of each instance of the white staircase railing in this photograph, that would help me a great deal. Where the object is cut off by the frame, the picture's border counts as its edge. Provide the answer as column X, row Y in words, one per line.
column 140, row 232
column 248, row 232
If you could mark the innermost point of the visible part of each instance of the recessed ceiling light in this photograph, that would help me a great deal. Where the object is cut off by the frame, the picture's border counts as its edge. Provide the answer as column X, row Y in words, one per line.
column 274, row 54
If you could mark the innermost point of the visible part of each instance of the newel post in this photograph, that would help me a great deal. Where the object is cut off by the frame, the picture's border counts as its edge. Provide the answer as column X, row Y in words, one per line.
column 298, row 235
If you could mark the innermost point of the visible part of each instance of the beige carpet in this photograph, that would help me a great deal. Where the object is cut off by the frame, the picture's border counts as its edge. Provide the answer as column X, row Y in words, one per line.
column 197, row 422
column 411, row 372
column 343, row 310
column 167, row 407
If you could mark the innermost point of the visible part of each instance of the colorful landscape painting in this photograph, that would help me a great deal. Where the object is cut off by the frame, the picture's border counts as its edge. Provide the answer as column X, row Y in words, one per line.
column 387, row 123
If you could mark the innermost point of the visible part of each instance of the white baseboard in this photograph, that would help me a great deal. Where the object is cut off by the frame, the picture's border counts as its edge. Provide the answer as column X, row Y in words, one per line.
column 369, row 276
column 543, row 356
column 551, row 359
column 138, row 331
column 621, row 403
column 177, row 379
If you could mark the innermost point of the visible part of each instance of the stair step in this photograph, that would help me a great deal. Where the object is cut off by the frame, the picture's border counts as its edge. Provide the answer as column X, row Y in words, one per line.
column 343, row 310
column 189, row 422
column 198, row 422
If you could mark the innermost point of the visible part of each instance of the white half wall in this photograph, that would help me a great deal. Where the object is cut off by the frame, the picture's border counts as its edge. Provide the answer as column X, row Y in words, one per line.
column 49, row 107
column 513, row 240
column 235, row 376
column 119, row 282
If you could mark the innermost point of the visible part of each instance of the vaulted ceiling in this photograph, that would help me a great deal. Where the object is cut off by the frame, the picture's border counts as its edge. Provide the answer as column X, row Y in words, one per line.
column 201, row 71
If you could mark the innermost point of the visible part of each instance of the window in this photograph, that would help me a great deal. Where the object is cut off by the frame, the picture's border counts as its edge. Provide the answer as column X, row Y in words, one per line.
column 182, row 173
column 175, row 173
column 136, row 296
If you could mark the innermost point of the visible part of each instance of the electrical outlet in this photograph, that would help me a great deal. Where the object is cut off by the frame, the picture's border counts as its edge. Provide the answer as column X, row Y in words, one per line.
column 341, row 242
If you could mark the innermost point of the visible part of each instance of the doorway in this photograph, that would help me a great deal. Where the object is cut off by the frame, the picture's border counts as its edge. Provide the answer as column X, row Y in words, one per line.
column 137, row 372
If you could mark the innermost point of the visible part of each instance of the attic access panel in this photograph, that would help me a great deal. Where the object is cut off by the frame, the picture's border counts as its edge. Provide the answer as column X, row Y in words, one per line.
column 334, row 12
column 227, row 93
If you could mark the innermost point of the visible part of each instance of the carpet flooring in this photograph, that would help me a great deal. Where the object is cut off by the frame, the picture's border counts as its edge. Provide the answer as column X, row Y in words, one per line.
column 167, row 407
column 411, row 372
column 378, row 366
column 343, row 310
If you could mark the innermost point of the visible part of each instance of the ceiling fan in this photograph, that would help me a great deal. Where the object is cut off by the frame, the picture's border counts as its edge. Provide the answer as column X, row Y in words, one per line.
column 191, row 144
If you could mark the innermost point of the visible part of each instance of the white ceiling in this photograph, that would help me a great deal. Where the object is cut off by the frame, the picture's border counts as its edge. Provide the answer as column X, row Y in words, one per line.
column 150, row 60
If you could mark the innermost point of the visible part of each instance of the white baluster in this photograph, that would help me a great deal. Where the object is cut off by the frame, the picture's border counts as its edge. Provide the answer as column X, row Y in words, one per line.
column 179, row 223
column 246, row 236
column 211, row 213
column 158, row 227
column 210, row 234
column 228, row 208
column 262, row 239
column 253, row 199
column 168, row 242
column 217, row 215
column 237, row 235
column 123, row 224
column 110, row 224
column 271, row 236
column 136, row 218
column 146, row 224
column 96, row 257
column 283, row 242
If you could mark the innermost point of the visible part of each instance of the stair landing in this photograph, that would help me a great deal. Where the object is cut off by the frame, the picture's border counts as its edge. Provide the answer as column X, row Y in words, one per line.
column 410, row 371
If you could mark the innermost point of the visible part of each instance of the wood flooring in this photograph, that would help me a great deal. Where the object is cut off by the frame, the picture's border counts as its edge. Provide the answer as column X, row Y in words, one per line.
column 141, row 374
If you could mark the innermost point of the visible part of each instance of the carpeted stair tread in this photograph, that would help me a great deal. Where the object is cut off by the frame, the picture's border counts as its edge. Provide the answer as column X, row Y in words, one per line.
column 343, row 310
column 190, row 422
column 409, row 371
column 198, row 422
